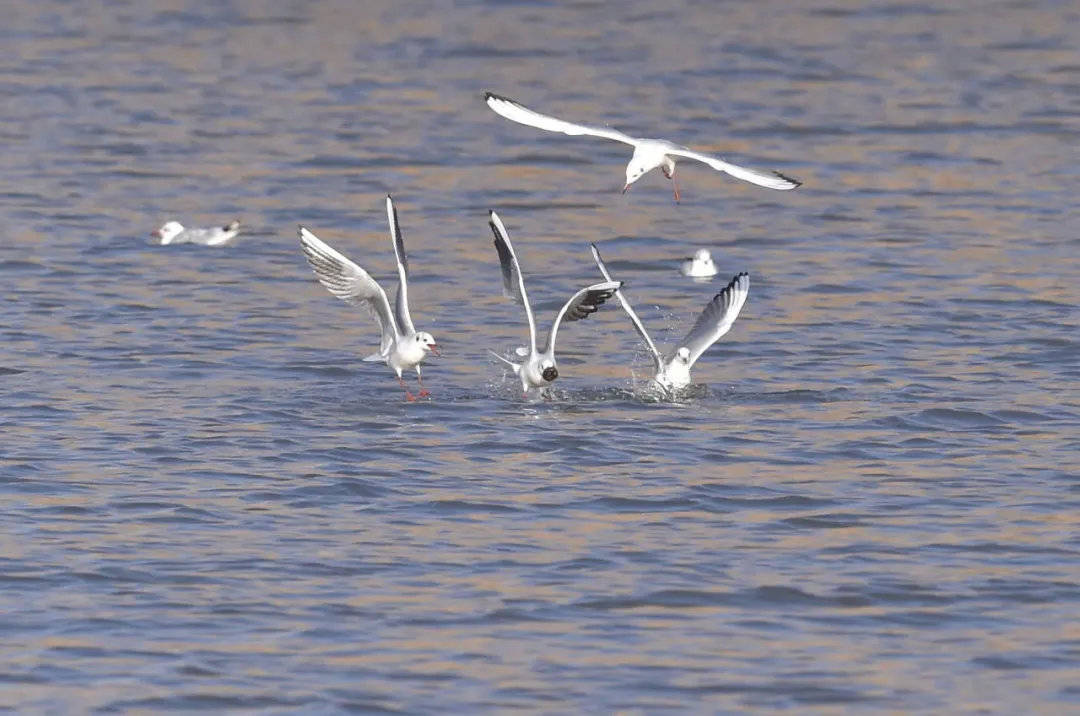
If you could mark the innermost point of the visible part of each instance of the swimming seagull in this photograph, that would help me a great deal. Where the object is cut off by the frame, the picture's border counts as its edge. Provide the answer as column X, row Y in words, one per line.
column 173, row 232
column 673, row 370
column 540, row 367
column 648, row 153
column 402, row 346
column 700, row 266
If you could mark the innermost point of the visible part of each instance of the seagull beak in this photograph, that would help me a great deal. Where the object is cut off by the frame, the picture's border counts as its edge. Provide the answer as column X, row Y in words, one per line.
column 434, row 349
column 156, row 234
column 625, row 188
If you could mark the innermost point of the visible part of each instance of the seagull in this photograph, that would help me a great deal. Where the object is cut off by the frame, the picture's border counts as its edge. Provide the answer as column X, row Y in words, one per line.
column 648, row 153
column 539, row 368
column 402, row 346
column 173, row 232
column 673, row 370
column 700, row 266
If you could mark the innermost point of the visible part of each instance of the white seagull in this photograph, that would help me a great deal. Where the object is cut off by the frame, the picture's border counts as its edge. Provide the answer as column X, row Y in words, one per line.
column 173, row 232
column 402, row 346
column 648, row 153
column 540, row 368
column 700, row 266
column 673, row 370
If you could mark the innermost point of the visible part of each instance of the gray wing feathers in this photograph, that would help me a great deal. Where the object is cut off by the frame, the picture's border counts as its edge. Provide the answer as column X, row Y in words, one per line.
column 581, row 305
column 401, row 300
column 350, row 283
column 629, row 310
column 513, row 283
column 718, row 316
column 768, row 179
column 511, row 270
column 521, row 114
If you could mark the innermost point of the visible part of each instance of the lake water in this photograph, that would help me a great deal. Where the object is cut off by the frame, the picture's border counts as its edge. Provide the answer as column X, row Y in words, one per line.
column 209, row 502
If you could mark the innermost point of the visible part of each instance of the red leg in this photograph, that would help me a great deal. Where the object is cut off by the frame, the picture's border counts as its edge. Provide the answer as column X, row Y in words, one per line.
column 408, row 396
column 671, row 175
column 424, row 392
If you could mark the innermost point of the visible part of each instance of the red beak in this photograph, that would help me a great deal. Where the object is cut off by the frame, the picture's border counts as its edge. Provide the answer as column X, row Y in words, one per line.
column 625, row 188
column 434, row 349
column 156, row 234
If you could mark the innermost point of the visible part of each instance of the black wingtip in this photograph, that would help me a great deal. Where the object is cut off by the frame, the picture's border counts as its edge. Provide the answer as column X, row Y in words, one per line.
column 785, row 177
column 488, row 96
column 732, row 283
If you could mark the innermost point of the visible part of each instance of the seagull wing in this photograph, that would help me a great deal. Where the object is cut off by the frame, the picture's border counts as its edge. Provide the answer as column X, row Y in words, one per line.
column 519, row 113
column 513, row 283
column 717, row 317
column 629, row 310
column 401, row 300
column 582, row 304
column 768, row 179
column 350, row 283
column 221, row 235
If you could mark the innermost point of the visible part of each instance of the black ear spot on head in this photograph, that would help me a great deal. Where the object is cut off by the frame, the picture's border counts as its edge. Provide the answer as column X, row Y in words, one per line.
column 550, row 374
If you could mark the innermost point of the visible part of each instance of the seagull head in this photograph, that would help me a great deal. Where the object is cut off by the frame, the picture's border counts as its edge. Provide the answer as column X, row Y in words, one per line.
column 683, row 355
column 548, row 371
column 635, row 170
column 428, row 342
column 168, row 231
column 702, row 255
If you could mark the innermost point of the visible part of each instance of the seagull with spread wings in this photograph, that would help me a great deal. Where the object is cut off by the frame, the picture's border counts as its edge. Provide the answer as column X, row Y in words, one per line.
column 673, row 369
column 402, row 346
column 648, row 154
column 540, row 368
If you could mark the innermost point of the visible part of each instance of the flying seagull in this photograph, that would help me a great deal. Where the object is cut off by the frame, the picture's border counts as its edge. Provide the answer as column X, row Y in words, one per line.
column 648, row 153
column 402, row 346
column 673, row 369
column 540, row 368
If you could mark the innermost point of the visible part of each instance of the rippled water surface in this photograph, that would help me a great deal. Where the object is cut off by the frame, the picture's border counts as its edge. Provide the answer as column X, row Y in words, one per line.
column 210, row 502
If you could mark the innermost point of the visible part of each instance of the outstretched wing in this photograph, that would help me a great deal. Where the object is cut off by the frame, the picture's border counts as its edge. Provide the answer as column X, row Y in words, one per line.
column 582, row 304
column 629, row 310
column 350, row 283
column 768, row 179
column 513, row 283
column 717, row 317
column 401, row 300
column 523, row 115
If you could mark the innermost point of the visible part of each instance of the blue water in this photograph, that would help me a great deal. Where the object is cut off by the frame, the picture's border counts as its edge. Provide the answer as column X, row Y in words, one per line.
column 869, row 503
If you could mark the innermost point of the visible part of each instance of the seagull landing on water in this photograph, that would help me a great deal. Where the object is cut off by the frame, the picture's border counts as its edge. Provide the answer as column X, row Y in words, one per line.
column 173, row 232
column 539, row 368
column 648, row 153
column 673, row 370
column 700, row 266
column 402, row 346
